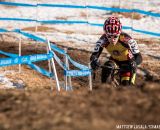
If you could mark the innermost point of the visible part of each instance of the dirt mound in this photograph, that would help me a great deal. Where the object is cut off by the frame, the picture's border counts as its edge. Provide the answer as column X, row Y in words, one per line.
column 38, row 108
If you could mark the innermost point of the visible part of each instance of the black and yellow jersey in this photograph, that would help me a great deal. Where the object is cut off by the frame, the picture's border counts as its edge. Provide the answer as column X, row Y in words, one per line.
column 125, row 49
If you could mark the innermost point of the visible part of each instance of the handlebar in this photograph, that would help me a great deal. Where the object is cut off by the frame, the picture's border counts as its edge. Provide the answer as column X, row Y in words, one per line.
column 104, row 66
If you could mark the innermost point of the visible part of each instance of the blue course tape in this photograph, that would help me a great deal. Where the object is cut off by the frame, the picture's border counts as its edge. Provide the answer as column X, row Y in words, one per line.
column 59, row 61
column 8, row 54
column 77, row 73
column 62, row 6
column 33, row 66
column 103, row 8
column 95, row 24
column 37, row 38
column 82, row 7
column 39, row 57
column 127, row 27
column 40, row 70
column 17, row 4
column 80, row 66
column 125, row 10
column 24, row 59
column 63, row 22
column 31, row 36
column 142, row 31
column 73, row 22
column 28, row 59
column 3, row 30
column 146, row 32
column 110, row 9
column 18, row 19
column 57, row 49
column 146, row 12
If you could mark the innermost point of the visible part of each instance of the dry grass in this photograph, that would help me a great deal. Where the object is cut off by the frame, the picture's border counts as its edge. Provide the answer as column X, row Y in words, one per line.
column 40, row 28
column 83, row 14
column 129, row 15
column 61, row 18
column 47, row 29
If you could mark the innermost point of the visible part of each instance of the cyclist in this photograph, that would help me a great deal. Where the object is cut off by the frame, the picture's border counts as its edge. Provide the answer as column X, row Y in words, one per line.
column 123, row 50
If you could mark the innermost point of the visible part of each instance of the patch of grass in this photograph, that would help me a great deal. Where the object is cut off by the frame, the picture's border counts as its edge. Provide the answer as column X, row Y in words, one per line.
column 39, row 28
column 129, row 15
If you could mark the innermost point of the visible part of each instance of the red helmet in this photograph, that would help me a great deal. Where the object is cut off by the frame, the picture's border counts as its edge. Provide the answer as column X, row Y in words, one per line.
column 112, row 26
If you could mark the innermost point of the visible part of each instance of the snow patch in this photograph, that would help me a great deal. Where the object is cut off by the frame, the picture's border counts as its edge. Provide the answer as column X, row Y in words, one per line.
column 7, row 83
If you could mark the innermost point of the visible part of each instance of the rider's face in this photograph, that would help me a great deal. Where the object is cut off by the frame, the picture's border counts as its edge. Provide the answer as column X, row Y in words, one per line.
column 113, row 39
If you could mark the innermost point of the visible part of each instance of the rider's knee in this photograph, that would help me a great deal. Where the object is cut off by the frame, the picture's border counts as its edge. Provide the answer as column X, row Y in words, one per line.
column 128, row 80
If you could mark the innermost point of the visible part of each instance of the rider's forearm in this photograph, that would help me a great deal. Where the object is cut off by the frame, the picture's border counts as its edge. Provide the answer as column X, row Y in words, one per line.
column 97, row 51
column 95, row 55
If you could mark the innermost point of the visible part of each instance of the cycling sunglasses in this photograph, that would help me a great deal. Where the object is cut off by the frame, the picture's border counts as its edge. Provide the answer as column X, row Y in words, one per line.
column 112, row 36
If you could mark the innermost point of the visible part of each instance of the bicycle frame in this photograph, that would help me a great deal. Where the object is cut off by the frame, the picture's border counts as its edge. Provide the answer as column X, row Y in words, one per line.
column 115, row 72
column 115, row 75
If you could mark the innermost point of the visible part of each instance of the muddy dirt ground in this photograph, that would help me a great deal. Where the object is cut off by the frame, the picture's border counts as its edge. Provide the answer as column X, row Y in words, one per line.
column 36, row 107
